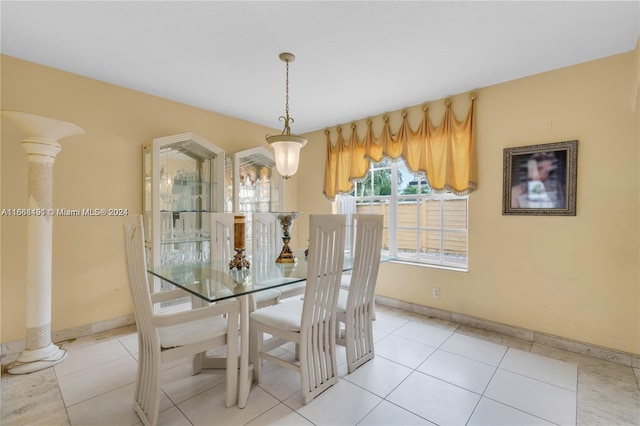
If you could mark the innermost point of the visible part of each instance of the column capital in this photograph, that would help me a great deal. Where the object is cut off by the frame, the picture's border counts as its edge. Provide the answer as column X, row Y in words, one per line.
column 41, row 146
column 39, row 128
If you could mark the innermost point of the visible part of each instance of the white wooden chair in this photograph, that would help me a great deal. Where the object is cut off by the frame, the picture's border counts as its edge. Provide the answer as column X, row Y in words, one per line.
column 345, row 281
column 309, row 323
column 355, row 307
column 165, row 338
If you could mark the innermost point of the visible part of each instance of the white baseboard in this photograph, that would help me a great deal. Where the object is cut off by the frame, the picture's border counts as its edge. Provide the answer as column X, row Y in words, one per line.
column 600, row 352
column 17, row 346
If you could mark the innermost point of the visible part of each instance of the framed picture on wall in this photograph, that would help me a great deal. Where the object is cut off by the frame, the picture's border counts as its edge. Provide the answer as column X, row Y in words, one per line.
column 540, row 179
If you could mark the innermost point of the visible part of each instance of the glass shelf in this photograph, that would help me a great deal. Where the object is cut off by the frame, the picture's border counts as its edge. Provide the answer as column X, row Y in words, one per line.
column 185, row 240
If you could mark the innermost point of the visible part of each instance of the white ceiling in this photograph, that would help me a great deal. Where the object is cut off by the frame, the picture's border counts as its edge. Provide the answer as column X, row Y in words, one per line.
column 353, row 58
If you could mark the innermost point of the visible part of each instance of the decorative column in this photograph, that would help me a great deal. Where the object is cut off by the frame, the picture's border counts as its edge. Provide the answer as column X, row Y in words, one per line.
column 41, row 145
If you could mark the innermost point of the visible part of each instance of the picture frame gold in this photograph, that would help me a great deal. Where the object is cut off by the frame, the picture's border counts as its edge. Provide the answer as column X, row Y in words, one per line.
column 540, row 180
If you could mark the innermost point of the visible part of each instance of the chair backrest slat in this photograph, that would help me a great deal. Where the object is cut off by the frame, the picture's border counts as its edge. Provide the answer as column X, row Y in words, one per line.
column 266, row 243
column 266, row 234
column 366, row 261
column 325, row 261
column 222, row 236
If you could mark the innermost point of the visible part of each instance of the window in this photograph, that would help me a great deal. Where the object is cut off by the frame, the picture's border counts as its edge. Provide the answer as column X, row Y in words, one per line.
column 420, row 226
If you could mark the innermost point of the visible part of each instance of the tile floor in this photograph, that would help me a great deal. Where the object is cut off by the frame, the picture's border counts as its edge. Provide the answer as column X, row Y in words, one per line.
column 426, row 371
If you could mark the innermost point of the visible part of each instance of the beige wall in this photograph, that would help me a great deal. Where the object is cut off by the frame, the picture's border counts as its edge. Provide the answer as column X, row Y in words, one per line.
column 576, row 277
column 101, row 168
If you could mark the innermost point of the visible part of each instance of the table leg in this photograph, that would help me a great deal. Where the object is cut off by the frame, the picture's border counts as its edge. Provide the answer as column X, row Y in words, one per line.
column 246, row 370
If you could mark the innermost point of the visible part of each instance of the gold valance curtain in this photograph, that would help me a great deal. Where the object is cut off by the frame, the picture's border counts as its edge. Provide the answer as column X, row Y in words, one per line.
column 445, row 155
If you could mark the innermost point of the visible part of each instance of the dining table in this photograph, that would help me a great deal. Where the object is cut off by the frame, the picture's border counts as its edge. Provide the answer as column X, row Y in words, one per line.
column 215, row 281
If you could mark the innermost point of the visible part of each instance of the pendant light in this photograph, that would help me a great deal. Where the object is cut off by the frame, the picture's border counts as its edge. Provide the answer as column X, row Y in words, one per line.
column 286, row 146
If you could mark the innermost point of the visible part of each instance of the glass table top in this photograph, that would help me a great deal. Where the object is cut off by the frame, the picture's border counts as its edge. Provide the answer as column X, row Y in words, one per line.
column 215, row 281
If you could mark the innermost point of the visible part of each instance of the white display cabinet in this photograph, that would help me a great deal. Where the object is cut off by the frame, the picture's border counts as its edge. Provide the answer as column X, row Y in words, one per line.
column 252, row 183
column 183, row 183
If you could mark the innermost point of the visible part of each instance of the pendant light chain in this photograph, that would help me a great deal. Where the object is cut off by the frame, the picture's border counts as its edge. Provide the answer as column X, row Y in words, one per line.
column 287, row 119
column 287, row 93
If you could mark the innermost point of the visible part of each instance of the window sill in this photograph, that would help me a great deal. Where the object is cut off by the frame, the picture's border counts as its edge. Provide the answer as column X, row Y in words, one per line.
column 430, row 265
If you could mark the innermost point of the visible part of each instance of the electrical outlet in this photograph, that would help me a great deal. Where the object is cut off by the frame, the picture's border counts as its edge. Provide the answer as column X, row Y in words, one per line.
column 436, row 292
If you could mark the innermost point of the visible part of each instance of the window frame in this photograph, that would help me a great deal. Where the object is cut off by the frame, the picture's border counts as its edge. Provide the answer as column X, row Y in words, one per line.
column 393, row 227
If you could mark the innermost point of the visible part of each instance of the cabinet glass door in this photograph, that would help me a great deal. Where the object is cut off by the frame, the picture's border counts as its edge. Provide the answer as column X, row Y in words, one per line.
column 256, row 184
column 183, row 179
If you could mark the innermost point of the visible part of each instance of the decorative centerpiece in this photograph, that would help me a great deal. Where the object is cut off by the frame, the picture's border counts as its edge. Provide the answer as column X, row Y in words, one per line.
column 286, row 223
column 239, row 261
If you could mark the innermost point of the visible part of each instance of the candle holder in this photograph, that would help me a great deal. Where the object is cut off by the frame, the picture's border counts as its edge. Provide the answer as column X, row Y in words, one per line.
column 286, row 220
column 239, row 261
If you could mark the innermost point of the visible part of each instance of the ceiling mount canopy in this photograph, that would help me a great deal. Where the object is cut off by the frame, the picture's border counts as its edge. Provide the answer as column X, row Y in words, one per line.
column 286, row 146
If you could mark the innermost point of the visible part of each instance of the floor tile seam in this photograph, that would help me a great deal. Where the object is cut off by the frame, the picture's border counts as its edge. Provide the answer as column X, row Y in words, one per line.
column 484, row 340
column 271, row 394
column 474, row 409
column 436, row 378
column 449, row 383
column 372, row 393
column 270, row 409
column 469, row 358
column 66, row 411
column 177, row 408
column 533, row 353
column 375, row 355
column 491, row 379
column 542, row 381
column 466, row 357
column 404, row 365
column 559, row 361
column 519, row 409
column 297, row 412
column 194, row 395
column 97, row 365
column 173, row 403
column 412, row 340
column 95, row 396
column 493, row 374
column 370, row 411
column 403, row 408
column 381, row 398
column 135, row 356
column 422, row 343
column 100, row 394
column 392, row 331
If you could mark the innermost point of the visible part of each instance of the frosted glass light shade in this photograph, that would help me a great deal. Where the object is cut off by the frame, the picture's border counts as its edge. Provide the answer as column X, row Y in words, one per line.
column 287, row 153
